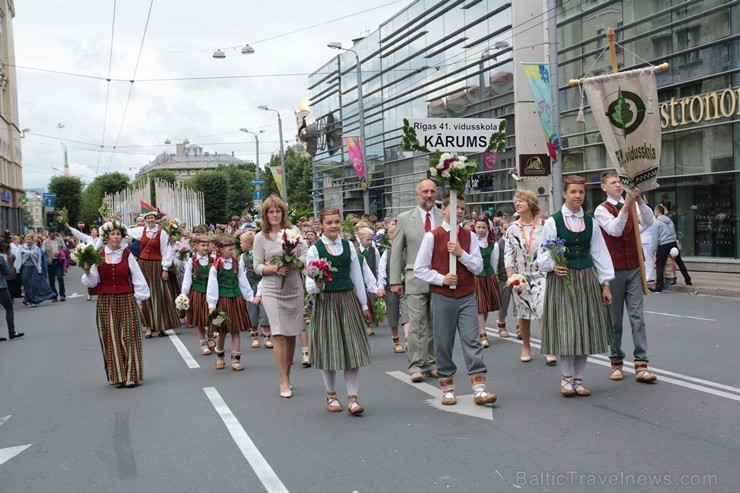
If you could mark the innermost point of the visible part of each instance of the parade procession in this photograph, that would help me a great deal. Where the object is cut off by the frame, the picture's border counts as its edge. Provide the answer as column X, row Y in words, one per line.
column 456, row 272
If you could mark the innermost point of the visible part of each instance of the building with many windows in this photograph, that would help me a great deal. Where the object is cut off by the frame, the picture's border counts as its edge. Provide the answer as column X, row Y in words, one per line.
column 11, row 170
column 188, row 161
column 457, row 58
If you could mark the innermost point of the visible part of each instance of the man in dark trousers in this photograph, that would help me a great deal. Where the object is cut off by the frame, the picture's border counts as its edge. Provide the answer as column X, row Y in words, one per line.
column 615, row 218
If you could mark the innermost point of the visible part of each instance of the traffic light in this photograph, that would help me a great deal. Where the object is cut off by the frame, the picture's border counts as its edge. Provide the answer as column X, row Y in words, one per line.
column 50, row 221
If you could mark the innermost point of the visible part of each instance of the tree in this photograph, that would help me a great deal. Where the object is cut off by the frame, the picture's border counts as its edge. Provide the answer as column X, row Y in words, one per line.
column 92, row 197
column 240, row 194
column 298, row 177
column 69, row 195
column 212, row 184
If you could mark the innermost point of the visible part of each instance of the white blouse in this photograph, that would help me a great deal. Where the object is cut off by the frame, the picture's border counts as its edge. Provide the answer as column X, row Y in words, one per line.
column 212, row 289
column 423, row 264
column 483, row 243
column 141, row 288
column 598, row 252
column 187, row 277
column 164, row 242
column 335, row 248
column 86, row 239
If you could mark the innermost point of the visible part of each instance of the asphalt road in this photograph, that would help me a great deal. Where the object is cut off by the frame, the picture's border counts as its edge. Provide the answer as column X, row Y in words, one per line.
column 64, row 429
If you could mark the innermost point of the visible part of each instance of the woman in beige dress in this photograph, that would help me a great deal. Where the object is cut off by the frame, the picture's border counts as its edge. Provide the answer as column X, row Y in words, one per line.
column 283, row 301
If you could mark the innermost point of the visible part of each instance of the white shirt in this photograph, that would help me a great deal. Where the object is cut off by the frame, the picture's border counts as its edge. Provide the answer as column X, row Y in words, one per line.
column 164, row 242
column 187, row 277
column 335, row 248
column 598, row 252
column 141, row 288
column 424, row 214
column 86, row 239
column 483, row 243
column 382, row 267
column 614, row 226
column 212, row 289
column 243, row 266
column 423, row 264
column 371, row 284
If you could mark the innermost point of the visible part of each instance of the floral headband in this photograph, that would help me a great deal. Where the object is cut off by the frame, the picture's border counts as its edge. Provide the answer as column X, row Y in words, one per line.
column 106, row 228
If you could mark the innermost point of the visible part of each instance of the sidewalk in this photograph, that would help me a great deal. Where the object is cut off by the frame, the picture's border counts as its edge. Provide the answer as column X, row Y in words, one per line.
column 709, row 283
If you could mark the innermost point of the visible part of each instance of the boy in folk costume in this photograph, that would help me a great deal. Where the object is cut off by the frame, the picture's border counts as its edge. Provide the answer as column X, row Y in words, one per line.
column 454, row 309
column 398, row 311
column 227, row 285
column 615, row 218
column 256, row 309
column 194, row 284
column 369, row 260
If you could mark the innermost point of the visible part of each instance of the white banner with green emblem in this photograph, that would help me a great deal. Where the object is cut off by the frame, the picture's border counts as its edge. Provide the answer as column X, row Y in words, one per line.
column 625, row 107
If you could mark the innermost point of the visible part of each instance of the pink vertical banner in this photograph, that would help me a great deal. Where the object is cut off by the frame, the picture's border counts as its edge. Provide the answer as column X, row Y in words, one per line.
column 490, row 160
column 355, row 157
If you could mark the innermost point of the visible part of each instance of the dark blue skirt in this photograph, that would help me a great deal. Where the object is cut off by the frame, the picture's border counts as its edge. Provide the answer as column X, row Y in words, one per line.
column 35, row 287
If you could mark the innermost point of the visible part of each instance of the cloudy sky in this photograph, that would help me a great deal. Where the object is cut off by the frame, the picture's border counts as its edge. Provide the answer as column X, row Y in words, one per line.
column 63, row 58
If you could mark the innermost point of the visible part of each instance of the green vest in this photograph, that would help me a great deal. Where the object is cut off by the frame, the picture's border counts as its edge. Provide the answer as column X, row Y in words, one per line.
column 486, row 254
column 228, row 283
column 200, row 277
column 340, row 280
column 578, row 244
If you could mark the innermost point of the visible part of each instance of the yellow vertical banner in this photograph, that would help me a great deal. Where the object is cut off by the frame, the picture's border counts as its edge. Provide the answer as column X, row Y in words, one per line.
column 277, row 175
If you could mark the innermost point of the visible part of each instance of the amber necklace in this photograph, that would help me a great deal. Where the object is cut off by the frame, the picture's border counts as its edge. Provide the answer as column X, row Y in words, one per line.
column 527, row 239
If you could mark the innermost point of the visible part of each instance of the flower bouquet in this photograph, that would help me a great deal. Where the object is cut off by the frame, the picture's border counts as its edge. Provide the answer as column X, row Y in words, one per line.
column 455, row 170
column 219, row 319
column 62, row 216
column 382, row 240
column 380, row 310
column 182, row 303
column 105, row 210
column 557, row 250
column 183, row 249
column 308, row 302
column 174, row 229
column 517, row 283
column 87, row 254
column 290, row 239
column 320, row 269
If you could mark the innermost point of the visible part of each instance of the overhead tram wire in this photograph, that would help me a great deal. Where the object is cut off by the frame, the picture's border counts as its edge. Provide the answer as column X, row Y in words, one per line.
column 131, row 87
column 107, row 86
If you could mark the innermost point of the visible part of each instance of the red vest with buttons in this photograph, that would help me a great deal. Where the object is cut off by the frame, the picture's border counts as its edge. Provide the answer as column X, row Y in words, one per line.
column 623, row 249
column 150, row 248
column 441, row 263
column 115, row 278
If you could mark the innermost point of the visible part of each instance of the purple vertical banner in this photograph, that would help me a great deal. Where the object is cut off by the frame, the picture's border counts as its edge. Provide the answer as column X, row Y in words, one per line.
column 490, row 160
column 355, row 157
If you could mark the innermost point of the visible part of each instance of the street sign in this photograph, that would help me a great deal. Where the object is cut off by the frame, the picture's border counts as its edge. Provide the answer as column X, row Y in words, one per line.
column 23, row 200
column 81, row 225
column 257, row 182
column 317, row 193
column 317, row 180
column 257, row 202
column 258, row 195
column 49, row 201
column 46, row 195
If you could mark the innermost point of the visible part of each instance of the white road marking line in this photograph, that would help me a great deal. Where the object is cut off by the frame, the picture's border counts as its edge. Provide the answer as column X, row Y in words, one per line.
column 5, row 419
column 8, row 453
column 665, row 375
column 247, row 447
column 681, row 316
column 182, row 350
column 465, row 404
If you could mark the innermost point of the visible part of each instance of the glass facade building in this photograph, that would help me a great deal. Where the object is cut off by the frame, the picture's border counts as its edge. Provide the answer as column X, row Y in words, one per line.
column 455, row 59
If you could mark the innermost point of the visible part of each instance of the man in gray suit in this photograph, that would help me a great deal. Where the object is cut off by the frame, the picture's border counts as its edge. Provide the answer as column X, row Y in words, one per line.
column 410, row 229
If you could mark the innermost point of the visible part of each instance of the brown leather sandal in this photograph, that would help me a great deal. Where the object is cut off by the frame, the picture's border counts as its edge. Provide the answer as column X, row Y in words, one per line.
column 332, row 403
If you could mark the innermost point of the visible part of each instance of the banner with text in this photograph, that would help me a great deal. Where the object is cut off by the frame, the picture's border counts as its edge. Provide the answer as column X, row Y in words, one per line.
column 625, row 107
column 355, row 157
column 455, row 134
column 539, row 82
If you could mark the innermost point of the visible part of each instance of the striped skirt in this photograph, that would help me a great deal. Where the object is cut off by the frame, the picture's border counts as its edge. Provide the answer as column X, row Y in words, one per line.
column 159, row 309
column 236, row 308
column 338, row 336
column 487, row 294
column 119, row 329
column 577, row 325
column 197, row 314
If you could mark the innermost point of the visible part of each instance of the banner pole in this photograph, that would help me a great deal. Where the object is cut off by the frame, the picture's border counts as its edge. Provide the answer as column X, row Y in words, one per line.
column 453, row 231
column 633, row 209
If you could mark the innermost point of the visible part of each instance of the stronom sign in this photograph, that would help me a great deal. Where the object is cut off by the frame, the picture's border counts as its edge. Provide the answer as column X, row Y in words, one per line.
column 704, row 107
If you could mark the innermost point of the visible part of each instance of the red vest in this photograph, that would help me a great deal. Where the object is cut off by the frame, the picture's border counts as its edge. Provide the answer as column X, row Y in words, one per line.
column 623, row 249
column 441, row 263
column 150, row 249
column 115, row 278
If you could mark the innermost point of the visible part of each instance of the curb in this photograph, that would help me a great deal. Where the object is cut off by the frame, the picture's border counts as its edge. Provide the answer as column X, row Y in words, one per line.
column 726, row 293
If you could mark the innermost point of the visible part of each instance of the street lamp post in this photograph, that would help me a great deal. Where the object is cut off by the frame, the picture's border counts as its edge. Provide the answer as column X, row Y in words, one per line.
column 257, row 142
column 361, row 116
column 282, row 152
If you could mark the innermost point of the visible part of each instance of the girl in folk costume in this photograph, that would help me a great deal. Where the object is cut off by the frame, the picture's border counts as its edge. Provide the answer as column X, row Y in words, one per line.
column 194, row 284
column 398, row 311
column 486, row 286
column 337, row 339
column 576, row 320
column 121, row 287
column 227, row 285
column 523, row 239
column 155, row 259
column 91, row 239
